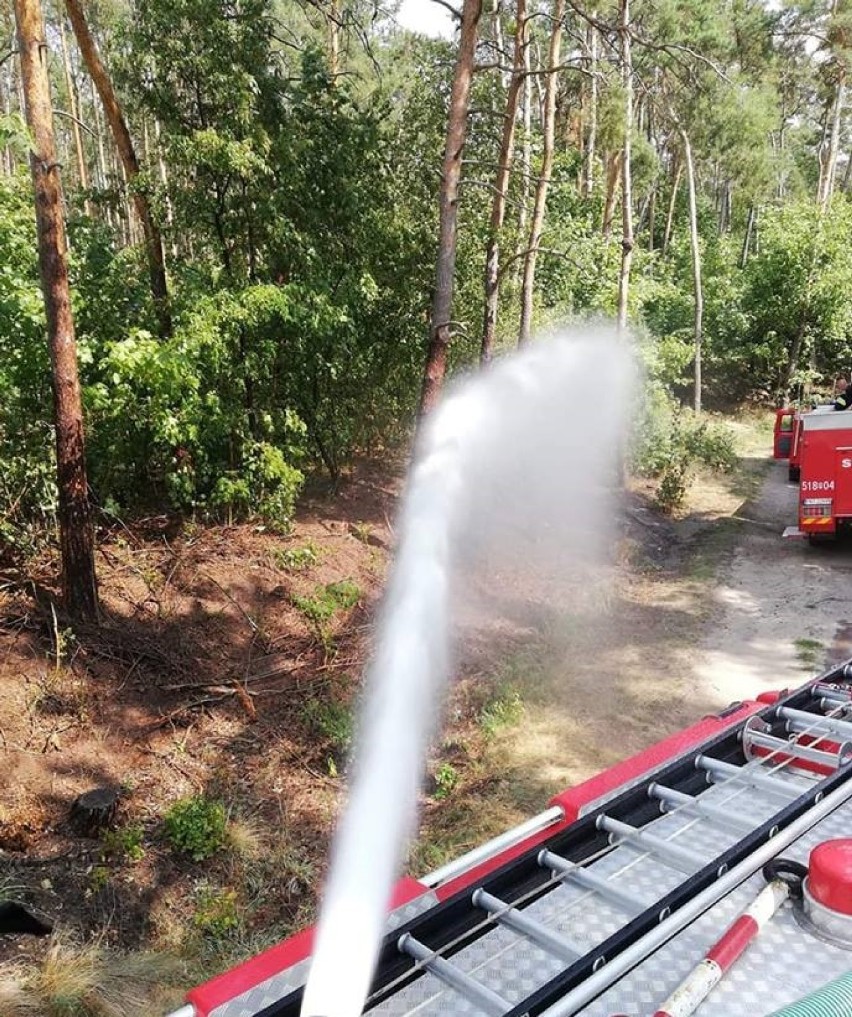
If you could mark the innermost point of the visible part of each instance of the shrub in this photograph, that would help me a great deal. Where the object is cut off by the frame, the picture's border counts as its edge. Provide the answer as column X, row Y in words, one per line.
column 446, row 779
column 197, row 827
column 297, row 559
column 669, row 441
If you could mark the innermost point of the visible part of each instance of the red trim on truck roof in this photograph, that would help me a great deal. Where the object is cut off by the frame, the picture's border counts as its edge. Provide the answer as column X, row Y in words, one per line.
column 573, row 800
column 227, row 986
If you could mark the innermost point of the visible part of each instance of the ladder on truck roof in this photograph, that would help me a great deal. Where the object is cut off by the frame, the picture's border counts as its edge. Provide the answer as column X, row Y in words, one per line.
column 551, row 928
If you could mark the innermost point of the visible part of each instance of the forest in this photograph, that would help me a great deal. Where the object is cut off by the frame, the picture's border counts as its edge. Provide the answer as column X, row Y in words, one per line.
column 255, row 194
column 245, row 245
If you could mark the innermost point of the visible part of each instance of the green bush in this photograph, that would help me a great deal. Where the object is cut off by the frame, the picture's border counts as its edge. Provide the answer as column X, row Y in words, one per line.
column 669, row 441
column 197, row 827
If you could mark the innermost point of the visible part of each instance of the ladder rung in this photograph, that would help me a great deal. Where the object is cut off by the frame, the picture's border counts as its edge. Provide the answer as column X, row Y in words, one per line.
column 454, row 977
column 521, row 923
column 714, row 813
column 835, row 695
column 796, row 750
column 747, row 775
column 801, row 720
column 672, row 854
column 589, row 881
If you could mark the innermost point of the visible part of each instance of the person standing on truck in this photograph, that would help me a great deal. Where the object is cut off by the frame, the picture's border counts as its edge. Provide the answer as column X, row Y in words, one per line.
column 842, row 393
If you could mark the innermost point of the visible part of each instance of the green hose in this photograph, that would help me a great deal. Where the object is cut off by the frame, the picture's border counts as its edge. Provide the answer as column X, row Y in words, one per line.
column 832, row 1000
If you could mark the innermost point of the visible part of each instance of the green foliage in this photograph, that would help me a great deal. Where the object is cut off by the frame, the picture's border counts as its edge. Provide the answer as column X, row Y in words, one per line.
column 810, row 653
column 669, row 441
column 326, row 602
column 331, row 721
column 505, row 708
column 297, row 559
column 446, row 779
column 197, row 827
column 217, row 913
column 124, row 844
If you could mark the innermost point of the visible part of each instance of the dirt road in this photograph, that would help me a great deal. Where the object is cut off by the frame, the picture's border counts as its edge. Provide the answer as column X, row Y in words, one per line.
column 785, row 608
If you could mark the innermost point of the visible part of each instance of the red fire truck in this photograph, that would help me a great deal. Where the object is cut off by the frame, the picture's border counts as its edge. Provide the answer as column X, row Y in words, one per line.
column 785, row 423
column 824, row 449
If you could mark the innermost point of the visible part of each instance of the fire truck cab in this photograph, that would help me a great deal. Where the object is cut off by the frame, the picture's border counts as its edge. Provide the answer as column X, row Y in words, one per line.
column 825, row 487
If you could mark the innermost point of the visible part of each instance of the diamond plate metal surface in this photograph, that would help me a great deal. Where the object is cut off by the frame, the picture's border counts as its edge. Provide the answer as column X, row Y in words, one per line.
column 783, row 964
column 255, row 1000
column 514, row 967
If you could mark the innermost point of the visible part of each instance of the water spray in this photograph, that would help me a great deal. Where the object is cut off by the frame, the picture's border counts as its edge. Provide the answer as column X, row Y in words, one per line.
column 527, row 444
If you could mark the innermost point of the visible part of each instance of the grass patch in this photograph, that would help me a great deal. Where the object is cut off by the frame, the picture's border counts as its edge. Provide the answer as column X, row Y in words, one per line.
column 217, row 911
column 297, row 559
column 123, row 844
column 87, row 981
column 810, row 653
column 326, row 601
column 504, row 708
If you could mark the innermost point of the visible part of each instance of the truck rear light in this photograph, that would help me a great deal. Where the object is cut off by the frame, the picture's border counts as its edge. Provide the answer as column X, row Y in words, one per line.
column 816, row 507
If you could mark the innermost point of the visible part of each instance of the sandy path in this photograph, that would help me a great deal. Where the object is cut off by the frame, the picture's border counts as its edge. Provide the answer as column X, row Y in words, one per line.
column 773, row 593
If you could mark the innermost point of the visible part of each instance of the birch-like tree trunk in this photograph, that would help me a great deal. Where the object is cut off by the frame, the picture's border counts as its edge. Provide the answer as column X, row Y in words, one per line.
column 748, row 235
column 74, row 110
column 696, row 268
column 75, row 521
column 548, row 130
column 667, row 234
column 526, row 164
column 626, row 173
column 501, row 186
column 442, row 302
column 831, row 149
column 592, row 138
column 130, row 164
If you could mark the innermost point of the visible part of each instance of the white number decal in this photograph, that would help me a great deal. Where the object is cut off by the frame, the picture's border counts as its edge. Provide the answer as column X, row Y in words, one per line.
column 819, row 485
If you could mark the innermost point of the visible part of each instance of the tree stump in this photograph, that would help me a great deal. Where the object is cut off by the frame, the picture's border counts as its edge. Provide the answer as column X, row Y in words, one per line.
column 94, row 811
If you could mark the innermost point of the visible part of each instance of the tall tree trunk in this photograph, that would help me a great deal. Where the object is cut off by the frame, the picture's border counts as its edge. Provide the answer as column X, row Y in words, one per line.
column 8, row 157
column 332, row 20
column 501, row 186
column 667, row 235
column 847, row 174
column 500, row 43
column 828, row 164
column 102, row 175
column 613, row 176
column 75, row 521
column 592, row 139
column 696, row 268
column 442, row 301
column 526, row 165
column 626, row 170
column 652, row 217
column 537, row 222
column 74, row 109
column 748, row 234
column 115, row 116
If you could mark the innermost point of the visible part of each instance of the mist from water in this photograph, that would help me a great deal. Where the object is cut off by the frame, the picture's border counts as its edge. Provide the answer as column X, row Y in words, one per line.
column 519, row 460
